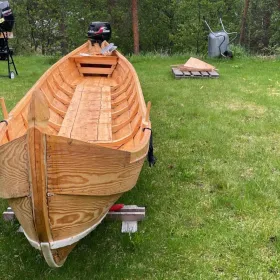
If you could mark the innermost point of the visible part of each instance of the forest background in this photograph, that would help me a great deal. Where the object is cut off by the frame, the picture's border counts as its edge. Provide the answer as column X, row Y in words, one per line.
column 52, row 27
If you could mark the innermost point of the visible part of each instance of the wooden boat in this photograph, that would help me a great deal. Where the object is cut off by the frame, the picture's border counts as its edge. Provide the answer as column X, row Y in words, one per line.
column 72, row 146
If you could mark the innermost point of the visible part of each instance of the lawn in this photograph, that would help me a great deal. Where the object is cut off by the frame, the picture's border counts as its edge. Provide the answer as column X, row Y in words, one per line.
column 213, row 198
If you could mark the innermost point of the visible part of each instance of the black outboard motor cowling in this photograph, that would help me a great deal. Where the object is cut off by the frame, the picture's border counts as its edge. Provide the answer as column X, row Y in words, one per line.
column 99, row 31
column 7, row 19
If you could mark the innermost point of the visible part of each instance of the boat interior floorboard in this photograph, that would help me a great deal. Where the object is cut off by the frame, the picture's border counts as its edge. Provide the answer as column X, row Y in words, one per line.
column 88, row 117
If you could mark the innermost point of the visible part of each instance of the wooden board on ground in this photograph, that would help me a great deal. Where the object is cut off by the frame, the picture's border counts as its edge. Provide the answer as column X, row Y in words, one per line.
column 178, row 74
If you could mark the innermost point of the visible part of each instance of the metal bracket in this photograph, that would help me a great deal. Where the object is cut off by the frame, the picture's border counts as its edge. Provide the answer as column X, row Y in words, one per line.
column 130, row 215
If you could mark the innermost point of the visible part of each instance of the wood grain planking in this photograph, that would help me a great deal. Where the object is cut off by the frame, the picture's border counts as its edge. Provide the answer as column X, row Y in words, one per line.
column 95, row 70
column 106, row 60
column 71, row 215
column 105, row 116
column 58, row 90
column 55, row 105
column 59, row 107
column 75, row 167
column 15, row 127
column 124, row 130
column 48, row 93
column 38, row 117
column 55, row 126
column 128, row 146
column 120, row 118
column 85, row 132
column 62, row 86
column 118, row 137
column 104, row 132
column 55, row 117
column 37, row 154
column 119, row 126
column 22, row 208
column 14, row 169
column 118, row 110
column 92, row 120
column 70, row 116
column 123, row 88
column 63, row 98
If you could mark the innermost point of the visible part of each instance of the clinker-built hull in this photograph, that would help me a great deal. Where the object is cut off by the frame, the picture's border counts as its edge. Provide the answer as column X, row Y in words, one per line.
column 72, row 146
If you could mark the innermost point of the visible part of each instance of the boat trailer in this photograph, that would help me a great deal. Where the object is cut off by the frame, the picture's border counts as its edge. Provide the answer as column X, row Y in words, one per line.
column 129, row 215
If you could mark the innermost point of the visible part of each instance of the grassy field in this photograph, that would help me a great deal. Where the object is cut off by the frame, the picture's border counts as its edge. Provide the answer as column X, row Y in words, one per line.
column 213, row 198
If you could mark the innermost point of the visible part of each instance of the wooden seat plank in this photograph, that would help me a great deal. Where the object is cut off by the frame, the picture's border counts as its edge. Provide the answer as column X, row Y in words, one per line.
column 89, row 114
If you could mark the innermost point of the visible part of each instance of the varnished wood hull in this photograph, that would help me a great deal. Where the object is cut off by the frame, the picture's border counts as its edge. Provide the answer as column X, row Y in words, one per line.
column 73, row 145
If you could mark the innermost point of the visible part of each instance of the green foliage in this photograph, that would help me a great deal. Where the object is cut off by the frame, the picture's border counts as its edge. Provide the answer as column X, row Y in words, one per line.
column 168, row 26
column 239, row 51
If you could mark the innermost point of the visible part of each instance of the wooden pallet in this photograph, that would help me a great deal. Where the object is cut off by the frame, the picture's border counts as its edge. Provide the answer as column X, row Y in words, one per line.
column 178, row 74
column 129, row 215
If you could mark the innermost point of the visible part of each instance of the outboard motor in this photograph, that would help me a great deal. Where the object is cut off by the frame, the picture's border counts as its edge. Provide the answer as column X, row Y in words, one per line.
column 99, row 32
column 218, row 42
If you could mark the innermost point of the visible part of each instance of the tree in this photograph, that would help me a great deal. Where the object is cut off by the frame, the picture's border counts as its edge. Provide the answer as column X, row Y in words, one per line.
column 243, row 22
column 135, row 26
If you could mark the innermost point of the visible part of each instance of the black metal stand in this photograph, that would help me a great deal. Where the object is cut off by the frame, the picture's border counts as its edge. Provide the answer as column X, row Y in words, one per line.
column 6, row 54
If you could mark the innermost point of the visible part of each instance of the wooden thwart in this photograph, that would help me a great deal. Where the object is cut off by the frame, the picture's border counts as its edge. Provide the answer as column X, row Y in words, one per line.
column 178, row 74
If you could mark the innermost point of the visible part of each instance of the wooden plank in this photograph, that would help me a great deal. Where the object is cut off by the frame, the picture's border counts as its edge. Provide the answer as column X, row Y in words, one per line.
column 60, row 87
column 4, row 108
column 104, row 132
column 71, row 113
column 177, row 72
column 79, row 168
column 14, row 180
column 106, row 60
column 194, row 64
column 124, row 139
column 38, row 117
column 92, row 120
column 105, row 116
column 52, row 103
column 205, row 74
column 122, row 89
column 71, row 215
column 57, row 95
column 3, row 131
column 187, row 74
column 95, row 70
column 22, row 208
column 214, row 74
column 119, row 126
column 196, row 74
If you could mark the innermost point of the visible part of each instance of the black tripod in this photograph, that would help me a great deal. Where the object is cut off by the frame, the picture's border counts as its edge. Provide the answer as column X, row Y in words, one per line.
column 6, row 54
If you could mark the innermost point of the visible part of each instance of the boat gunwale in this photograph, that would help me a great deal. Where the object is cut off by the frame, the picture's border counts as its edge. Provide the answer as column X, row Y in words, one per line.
column 17, row 110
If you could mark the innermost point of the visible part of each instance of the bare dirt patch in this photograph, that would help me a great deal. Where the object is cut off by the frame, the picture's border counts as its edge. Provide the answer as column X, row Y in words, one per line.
column 250, row 107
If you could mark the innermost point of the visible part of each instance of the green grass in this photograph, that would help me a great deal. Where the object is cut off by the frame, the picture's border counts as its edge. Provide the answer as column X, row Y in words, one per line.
column 213, row 198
